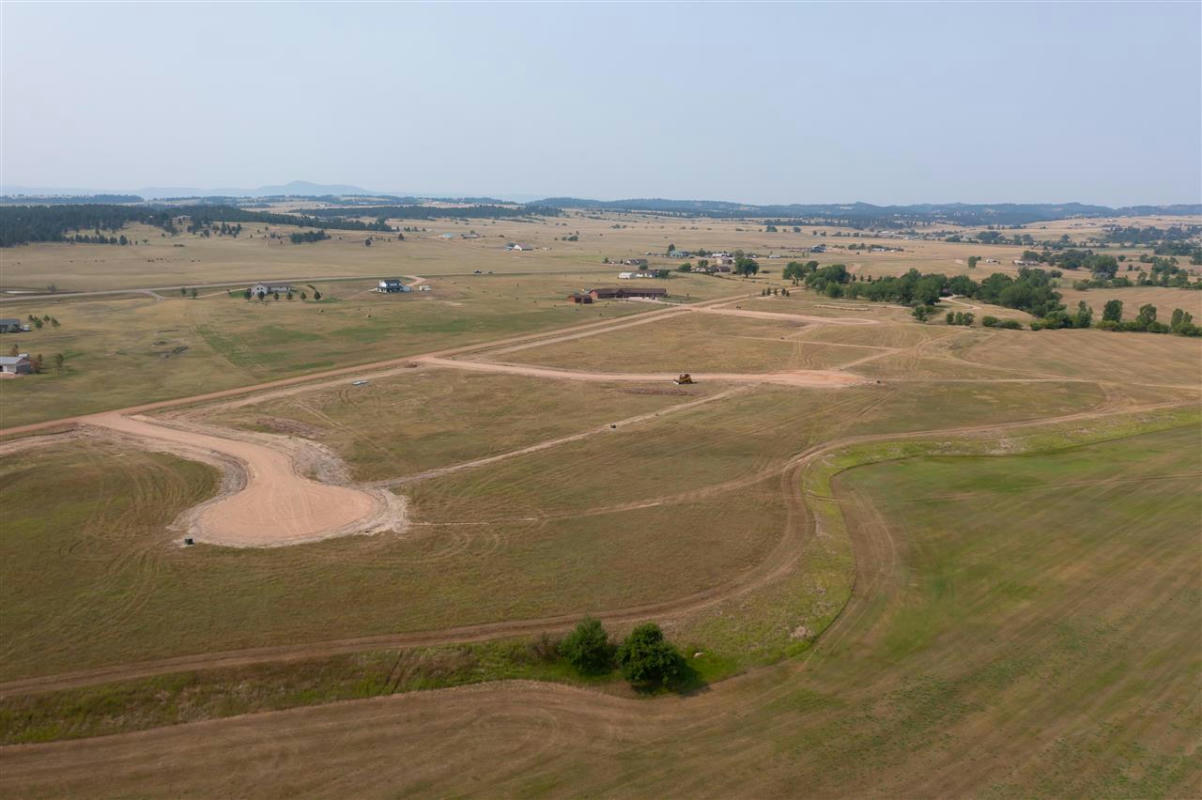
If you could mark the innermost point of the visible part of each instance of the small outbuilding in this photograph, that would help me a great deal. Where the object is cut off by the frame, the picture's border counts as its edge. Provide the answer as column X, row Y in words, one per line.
column 580, row 298
column 9, row 325
column 392, row 286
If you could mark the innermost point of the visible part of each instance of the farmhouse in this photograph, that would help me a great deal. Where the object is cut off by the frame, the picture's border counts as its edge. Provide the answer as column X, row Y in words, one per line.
column 580, row 298
column 392, row 286
column 8, row 325
column 625, row 276
column 519, row 246
column 635, row 262
column 620, row 293
column 267, row 288
column 16, row 365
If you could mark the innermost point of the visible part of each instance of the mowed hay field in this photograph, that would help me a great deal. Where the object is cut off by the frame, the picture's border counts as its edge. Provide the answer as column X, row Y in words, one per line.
column 428, row 418
column 584, row 526
column 134, row 595
column 695, row 342
column 1032, row 630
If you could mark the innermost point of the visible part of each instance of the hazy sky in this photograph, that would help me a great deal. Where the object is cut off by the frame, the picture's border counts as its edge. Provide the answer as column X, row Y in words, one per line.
column 892, row 103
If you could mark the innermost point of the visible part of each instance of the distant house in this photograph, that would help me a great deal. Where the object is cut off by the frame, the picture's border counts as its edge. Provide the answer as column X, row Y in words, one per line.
column 392, row 286
column 446, row 236
column 1019, row 262
column 580, row 298
column 625, row 276
column 8, row 325
column 635, row 262
column 425, row 287
column 268, row 288
column 519, row 246
column 622, row 292
column 818, row 248
column 16, row 365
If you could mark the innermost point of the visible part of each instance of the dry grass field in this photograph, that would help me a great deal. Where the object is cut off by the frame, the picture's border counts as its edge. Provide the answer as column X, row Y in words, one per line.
column 123, row 350
column 962, row 569
column 200, row 260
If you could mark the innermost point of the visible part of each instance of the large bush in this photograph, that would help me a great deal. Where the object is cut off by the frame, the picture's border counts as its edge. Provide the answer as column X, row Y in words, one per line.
column 649, row 660
column 587, row 648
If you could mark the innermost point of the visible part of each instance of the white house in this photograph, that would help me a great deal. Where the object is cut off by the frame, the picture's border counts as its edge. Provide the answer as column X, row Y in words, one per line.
column 266, row 289
column 16, row 365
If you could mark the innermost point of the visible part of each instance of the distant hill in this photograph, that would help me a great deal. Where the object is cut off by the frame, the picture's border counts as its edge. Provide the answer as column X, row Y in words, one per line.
column 292, row 189
column 860, row 214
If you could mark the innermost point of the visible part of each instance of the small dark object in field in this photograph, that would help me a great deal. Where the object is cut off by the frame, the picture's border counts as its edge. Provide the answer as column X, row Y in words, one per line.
column 189, row 541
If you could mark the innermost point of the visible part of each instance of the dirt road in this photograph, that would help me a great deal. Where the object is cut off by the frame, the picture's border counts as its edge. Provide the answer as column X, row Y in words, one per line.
column 810, row 378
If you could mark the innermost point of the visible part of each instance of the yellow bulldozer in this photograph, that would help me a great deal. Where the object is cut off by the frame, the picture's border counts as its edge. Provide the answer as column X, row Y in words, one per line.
column 685, row 378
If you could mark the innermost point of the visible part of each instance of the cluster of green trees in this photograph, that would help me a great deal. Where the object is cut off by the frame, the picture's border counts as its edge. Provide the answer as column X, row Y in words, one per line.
column 1133, row 235
column 647, row 660
column 768, row 292
column 1031, row 291
column 248, row 294
column 744, row 265
column 308, row 236
column 1180, row 323
column 98, row 238
column 960, row 318
column 40, row 321
column 1105, row 267
column 993, row 322
column 209, row 228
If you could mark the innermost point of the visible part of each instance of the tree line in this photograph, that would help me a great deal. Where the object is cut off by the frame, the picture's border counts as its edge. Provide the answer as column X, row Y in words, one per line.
column 418, row 211
column 1032, row 291
column 52, row 223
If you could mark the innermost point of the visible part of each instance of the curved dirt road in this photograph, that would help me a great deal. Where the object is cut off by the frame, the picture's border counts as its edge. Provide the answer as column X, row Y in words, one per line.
column 276, row 506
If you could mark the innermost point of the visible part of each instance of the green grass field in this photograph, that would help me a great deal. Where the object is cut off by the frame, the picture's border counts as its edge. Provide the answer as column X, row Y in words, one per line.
column 1034, row 610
